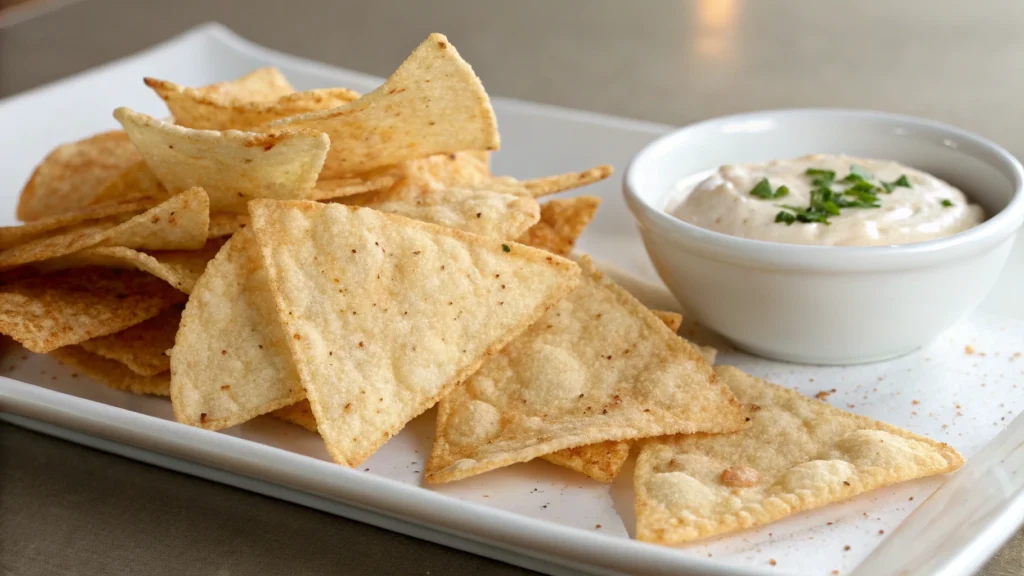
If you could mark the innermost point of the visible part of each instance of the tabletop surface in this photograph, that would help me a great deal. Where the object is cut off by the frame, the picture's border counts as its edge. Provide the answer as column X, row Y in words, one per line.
column 66, row 509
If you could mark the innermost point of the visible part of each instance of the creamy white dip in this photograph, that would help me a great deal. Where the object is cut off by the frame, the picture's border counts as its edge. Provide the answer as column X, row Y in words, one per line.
column 928, row 209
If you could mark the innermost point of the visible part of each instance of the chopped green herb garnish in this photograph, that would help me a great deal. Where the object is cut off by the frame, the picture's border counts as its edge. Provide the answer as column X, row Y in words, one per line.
column 901, row 182
column 506, row 248
column 805, row 215
column 786, row 217
column 821, row 177
column 861, row 172
column 946, row 202
column 764, row 190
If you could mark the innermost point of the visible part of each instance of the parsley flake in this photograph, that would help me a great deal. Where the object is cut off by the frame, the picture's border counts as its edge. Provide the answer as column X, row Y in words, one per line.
column 947, row 203
column 764, row 190
column 506, row 248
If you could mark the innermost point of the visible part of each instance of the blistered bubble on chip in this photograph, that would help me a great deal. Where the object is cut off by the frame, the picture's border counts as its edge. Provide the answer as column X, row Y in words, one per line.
column 798, row 454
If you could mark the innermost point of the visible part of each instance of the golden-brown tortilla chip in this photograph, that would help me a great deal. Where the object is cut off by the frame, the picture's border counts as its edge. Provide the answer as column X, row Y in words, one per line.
column 181, row 222
column 433, row 103
column 179, row 268
column 48, row 311
column 135, row 181
column 261, row 85
column 233, row 167
column 224, row 224
column 198, row 108
column 230, row 362
column 122, row 211
column 384, row 315
column 299, row 414
column 142, row 348
column 562, row 182
column 671, row 319
column 70, row 176
column 597, row 367
column 798, row 454
column 112, row 373
column 562, row 221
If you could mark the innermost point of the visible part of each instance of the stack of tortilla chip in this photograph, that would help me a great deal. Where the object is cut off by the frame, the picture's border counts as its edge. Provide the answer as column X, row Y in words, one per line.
column 347, row 262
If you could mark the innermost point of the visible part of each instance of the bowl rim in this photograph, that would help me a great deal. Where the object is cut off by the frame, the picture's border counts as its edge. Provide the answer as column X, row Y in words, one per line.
column 982, row 237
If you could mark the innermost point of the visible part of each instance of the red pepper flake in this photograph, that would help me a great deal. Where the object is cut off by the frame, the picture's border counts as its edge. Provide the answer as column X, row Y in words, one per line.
column 296, row 336
column 915, row 402
column 881, row 531
column 226, row 387
column 772, row 562
column 223, row 352
column 598, row 526
column 202, row 417
column 362, row 344
column 845, row 548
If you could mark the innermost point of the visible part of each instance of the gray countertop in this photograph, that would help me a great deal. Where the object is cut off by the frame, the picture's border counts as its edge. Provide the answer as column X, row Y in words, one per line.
column 68, row 509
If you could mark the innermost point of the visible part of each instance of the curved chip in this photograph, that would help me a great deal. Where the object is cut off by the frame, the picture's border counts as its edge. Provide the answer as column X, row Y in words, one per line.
column 112, row 373
column 74, row 173
column 433, row 103
column 233, row 167
column 141, row 348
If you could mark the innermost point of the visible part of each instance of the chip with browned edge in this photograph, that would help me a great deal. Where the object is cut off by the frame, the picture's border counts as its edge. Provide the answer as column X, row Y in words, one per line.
column 561, row 222
column 384, row 315
column 48, row 311
column 70, row 176
column 433, row 103
column 233, row 167
column 143, row 347
column 111, row 372
column 597, row 367
column 230, row 363
column 181, row 222
column 798, row 454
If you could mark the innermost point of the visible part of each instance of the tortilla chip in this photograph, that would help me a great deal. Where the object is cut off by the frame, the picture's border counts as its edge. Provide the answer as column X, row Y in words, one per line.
column 709, row 353
column 230, row 362
column 671, row 319
column 599, row 366
column 197, row 108
column 111, row 373
column 11, row 236
column 562, row 221
column 413, row 310
column 233, row 167
column 604, row 460
column 299, row 414
column 440, row 171
column 562, row 182
column 432, row 104
column 343, row 187
column 70, row 176
column 261, row 85
column 48, row 311
column 135, row 181
column 142, row 348
column 798, row 454
column 227, row 223
column 481, row 210
column 181, row 222
column 179, row 268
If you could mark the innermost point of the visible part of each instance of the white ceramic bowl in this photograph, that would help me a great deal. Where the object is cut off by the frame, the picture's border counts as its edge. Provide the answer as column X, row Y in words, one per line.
column 817, row 304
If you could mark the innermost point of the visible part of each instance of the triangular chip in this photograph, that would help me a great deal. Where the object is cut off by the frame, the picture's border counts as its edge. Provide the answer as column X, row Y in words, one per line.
column 261, row 85
column 118, row 212
column 433, row 103
column 179, row 268
column 71, row 176
column 230, row 362
column 562, row 182
column 561, row 223
column 181, row 222
column 604, row 460
column 598, row 366
column 141, row 348
column 440, row 171
column 798, row 454
column 52, row 310
column 197, row 108
column 709, row 353
column 112, row 373
column 299, row 414
column 384, row 315
column 233, row 167
column 343, row 187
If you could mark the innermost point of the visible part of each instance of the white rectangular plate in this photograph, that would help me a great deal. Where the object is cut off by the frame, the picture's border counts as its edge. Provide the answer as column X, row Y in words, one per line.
column 535, row 514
